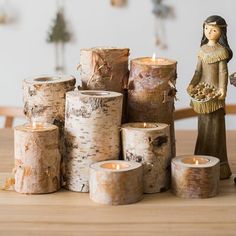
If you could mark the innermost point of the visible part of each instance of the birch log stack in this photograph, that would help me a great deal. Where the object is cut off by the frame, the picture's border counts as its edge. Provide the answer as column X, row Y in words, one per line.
column 37, row 159
column 195, row 176
column 149, row 144
column 116, row 182
column 92, row 132
column 152, row 92
column 44, row 101
column 104, row 68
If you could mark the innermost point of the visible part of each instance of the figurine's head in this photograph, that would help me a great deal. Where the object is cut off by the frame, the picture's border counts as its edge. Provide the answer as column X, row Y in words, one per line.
column 215, row 28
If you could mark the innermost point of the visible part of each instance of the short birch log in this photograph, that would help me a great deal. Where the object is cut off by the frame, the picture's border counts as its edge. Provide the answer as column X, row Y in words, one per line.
column 92, row 127
column 104, row 68
column 116, row 182
column 44, row 98
column 37, row 159
column 195, row 176
column 149, row 144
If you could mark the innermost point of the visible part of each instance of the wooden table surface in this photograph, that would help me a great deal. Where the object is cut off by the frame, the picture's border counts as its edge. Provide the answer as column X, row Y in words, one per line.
column 70, row 213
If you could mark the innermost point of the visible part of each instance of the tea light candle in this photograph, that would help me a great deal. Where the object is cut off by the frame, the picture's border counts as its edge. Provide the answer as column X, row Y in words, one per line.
column 151, row 92
column 116, row 182
column 195, row 176
column 149, row 144
column 37, row 158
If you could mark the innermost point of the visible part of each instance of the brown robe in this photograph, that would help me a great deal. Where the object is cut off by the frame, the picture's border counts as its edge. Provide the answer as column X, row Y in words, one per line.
column 212, row 68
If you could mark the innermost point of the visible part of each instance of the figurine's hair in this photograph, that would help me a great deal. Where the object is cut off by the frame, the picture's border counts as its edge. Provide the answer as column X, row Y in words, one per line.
column 223, row 41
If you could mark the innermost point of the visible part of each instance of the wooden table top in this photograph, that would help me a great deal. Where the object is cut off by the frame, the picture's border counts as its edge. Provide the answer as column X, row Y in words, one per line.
column 70, row 213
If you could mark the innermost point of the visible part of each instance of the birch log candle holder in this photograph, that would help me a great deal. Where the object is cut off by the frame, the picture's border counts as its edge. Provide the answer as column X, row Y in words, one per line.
column 116, row 182
column 92, row 132
column 44, row 98
column 195, row 176
column 37, row 158
column 149, row 144
column 151, row 92
column 104, row 68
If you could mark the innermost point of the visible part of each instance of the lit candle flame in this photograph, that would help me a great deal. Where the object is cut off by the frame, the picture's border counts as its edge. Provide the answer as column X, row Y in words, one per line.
column 196, row 162
column 34, row 124
column 115, row 166
column 145, row 125
column 154, row 57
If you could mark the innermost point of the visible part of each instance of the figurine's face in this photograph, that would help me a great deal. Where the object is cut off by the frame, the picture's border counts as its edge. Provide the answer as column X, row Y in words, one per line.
column 212, row 32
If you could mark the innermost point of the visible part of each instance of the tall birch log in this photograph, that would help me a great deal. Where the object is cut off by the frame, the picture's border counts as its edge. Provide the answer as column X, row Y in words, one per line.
column 92, row 126
column 152, row 92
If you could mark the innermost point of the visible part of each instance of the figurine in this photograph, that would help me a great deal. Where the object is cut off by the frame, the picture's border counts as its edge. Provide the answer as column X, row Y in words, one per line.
column 208, row 91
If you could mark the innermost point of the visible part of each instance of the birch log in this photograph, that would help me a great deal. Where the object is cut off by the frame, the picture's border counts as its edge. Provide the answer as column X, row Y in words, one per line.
column 152, row 92
column 195, row 176
column 44, row 98
column 104, row 68
column 116, row 182
column 149, row 144
column 92, row 126
column 37, row 159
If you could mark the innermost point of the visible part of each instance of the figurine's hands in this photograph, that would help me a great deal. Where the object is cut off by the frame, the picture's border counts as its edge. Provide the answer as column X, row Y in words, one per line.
column 222, row 93
column 190, row 88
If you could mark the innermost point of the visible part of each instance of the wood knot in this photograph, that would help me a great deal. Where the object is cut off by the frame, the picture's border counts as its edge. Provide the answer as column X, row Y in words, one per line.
column 159, row 141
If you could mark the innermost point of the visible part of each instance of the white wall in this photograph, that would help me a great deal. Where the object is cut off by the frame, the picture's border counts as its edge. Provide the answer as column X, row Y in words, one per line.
column 24, row 51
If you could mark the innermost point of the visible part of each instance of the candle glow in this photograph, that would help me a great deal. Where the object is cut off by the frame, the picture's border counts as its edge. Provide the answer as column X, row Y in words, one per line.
column 154, row 57
column 115, row 166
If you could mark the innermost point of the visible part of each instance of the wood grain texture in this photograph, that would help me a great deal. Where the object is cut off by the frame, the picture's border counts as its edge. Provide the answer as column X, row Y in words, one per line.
column 69, row 213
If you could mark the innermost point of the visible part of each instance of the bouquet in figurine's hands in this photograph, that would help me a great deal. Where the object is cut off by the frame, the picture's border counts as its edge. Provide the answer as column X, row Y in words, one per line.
column 204, row 92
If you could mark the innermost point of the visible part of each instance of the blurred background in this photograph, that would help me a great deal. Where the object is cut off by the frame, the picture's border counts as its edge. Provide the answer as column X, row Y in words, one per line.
column 168, row 28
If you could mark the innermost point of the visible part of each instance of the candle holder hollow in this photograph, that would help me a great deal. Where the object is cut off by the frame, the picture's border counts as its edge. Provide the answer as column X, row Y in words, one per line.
column 114, row 186
column 149, row 144
column 195, row 176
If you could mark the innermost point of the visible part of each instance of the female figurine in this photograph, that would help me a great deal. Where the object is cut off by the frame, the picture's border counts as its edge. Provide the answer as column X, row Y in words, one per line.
column 210, row 84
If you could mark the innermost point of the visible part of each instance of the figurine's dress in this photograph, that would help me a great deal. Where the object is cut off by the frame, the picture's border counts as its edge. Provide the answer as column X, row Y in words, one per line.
column 212, row 68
